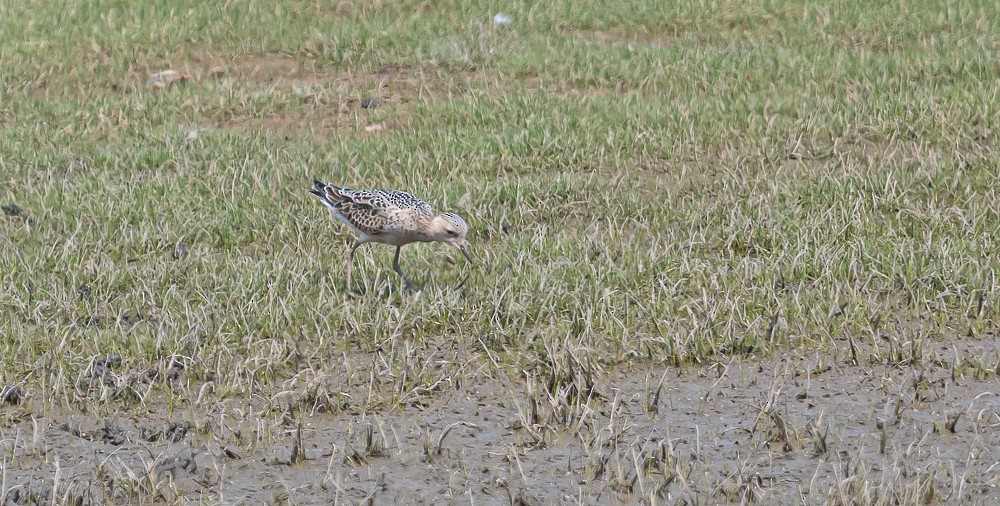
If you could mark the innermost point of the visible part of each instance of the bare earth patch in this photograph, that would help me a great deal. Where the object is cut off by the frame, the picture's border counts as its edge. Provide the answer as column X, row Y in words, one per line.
column 331, row 100
column 795, row 429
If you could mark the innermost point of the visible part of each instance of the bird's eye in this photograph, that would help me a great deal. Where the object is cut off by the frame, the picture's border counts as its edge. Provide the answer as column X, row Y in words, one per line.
column 452, row 232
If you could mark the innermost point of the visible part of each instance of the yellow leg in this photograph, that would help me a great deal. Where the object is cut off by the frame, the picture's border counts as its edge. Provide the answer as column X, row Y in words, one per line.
column 350, row 262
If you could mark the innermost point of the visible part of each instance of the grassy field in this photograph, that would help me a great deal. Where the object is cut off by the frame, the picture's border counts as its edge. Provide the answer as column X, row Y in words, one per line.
column 660, row 195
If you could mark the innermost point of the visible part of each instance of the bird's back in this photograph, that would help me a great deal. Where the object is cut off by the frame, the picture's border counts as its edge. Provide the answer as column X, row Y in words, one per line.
column 377, row 212
column 385, row 199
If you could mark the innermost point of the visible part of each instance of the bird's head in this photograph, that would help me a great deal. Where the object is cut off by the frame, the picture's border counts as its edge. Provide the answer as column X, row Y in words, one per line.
column 452, row 229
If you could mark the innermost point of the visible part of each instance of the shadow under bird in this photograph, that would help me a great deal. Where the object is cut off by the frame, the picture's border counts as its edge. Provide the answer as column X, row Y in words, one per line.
column 391, row 217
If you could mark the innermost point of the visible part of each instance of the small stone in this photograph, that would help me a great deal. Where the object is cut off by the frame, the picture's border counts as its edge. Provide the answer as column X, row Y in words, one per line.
column 369, row 103
column 12, row 210
column 112, row 434
column 176, row 466
column 232, row 452
column 176, row 431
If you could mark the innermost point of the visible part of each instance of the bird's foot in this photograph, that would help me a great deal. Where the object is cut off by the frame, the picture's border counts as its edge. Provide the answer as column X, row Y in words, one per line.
column 409, row 284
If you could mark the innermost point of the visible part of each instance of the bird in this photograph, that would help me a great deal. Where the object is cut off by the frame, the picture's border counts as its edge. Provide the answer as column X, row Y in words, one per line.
column 391, row 217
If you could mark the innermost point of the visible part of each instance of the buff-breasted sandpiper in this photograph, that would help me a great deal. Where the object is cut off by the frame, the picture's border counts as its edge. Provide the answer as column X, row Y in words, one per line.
column 391, row 217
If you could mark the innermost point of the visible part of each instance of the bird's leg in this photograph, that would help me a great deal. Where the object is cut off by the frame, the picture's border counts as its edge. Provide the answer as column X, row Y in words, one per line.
column 395, row 267
column 350, row 262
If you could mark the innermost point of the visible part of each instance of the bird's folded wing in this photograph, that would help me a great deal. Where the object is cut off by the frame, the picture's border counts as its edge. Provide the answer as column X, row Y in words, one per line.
column 361, row 212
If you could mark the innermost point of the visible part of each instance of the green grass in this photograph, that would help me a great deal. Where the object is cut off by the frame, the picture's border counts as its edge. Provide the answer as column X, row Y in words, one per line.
column 656, row 181
column 646, row 184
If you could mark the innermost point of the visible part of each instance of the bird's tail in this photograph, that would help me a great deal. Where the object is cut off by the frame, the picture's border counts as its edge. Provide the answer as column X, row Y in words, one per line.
column 324, row 191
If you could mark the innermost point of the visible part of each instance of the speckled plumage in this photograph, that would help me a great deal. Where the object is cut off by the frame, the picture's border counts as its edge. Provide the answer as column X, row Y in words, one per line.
column 390, row 217
column 386, row 213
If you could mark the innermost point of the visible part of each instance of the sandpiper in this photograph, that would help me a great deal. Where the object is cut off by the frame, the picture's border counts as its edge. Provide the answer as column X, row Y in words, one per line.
column 391, row 217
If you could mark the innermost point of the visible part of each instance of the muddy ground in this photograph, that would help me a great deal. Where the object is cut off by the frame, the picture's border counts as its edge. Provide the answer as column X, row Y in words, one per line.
column 807, row 429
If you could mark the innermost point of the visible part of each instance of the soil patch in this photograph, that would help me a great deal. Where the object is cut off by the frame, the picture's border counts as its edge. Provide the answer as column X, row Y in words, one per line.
column 788, row 430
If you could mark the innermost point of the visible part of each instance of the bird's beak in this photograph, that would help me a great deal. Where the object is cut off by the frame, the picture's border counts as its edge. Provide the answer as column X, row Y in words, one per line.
column 465, row 251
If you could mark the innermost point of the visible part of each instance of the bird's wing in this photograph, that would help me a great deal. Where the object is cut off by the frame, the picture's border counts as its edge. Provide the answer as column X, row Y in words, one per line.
column 369, row 211
column 391, row 200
